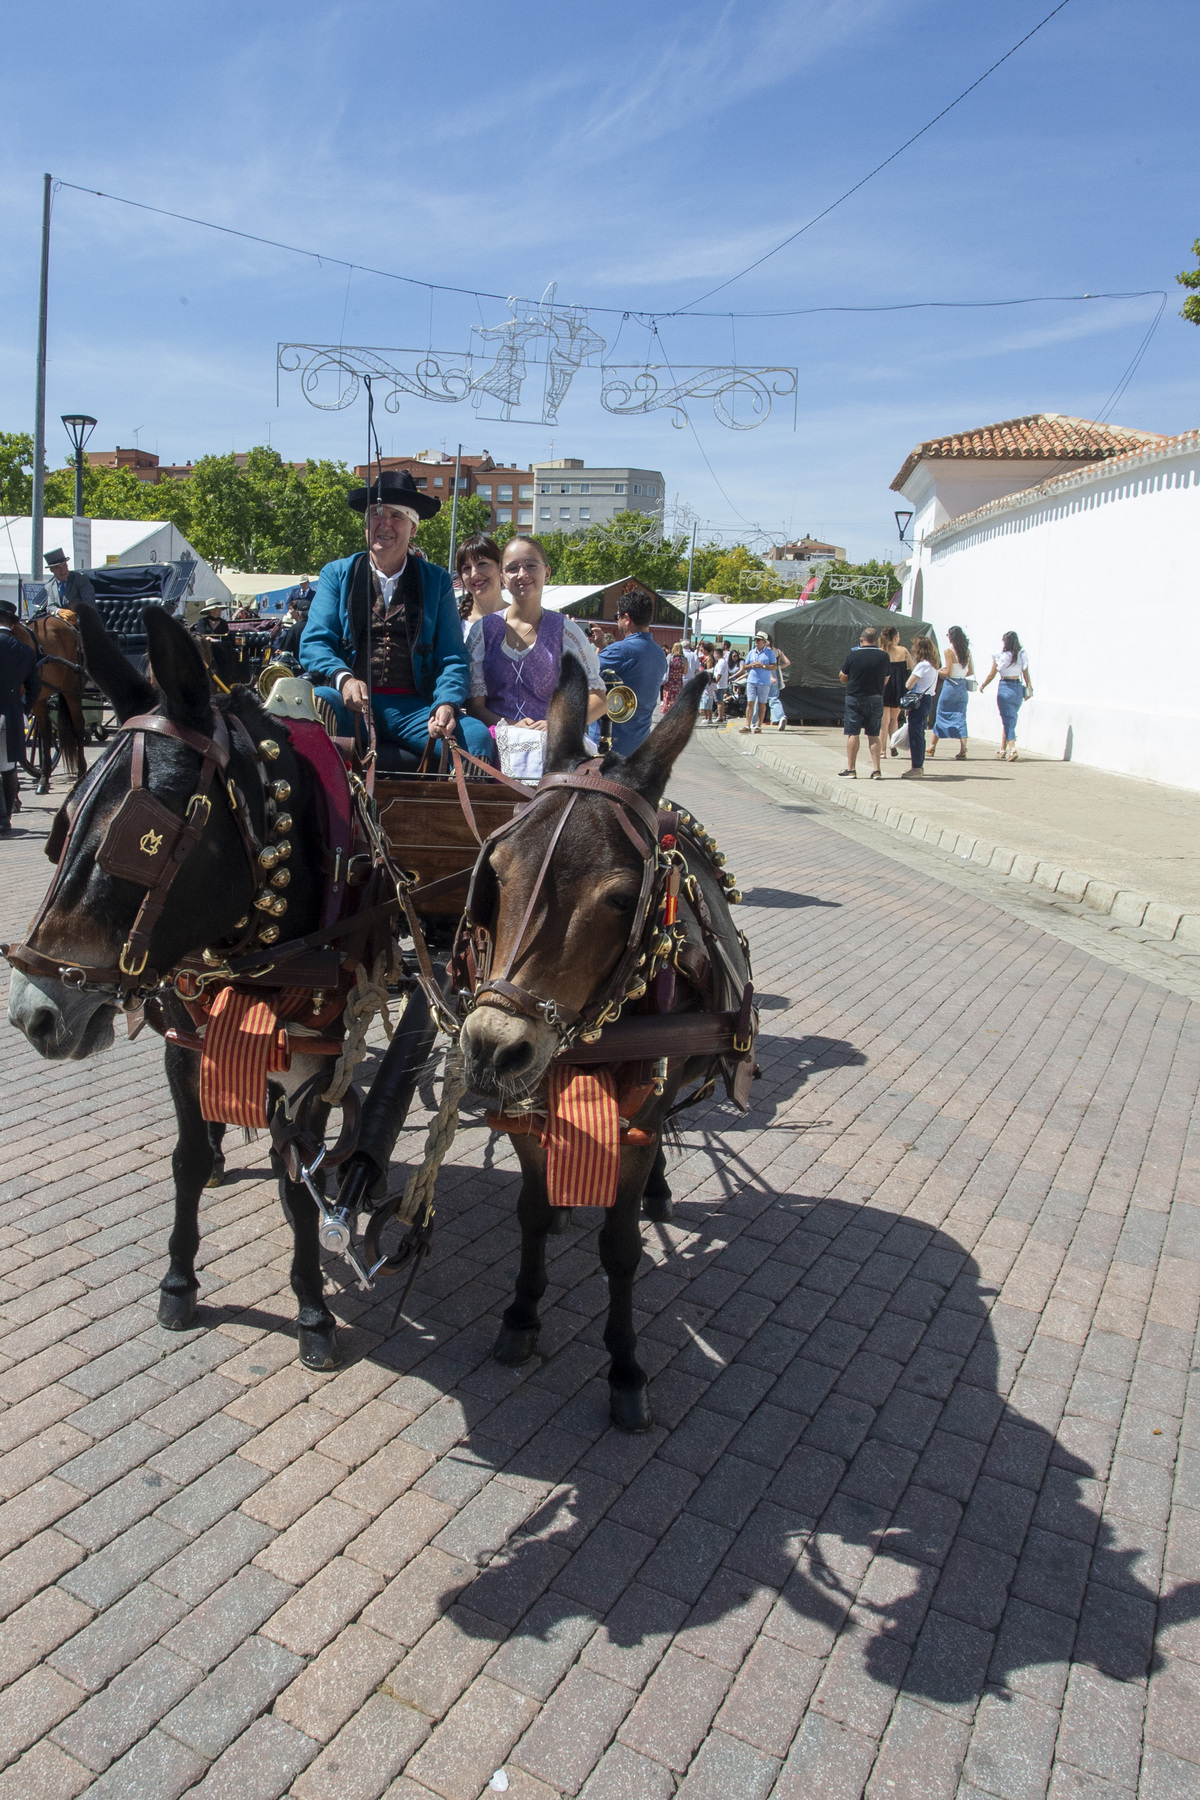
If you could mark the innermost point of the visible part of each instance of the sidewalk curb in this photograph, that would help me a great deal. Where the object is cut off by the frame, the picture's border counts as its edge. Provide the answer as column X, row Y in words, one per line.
column 1125, row 908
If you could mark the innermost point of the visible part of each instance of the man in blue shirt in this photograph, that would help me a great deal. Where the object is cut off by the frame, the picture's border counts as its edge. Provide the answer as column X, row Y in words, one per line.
column 638, row 662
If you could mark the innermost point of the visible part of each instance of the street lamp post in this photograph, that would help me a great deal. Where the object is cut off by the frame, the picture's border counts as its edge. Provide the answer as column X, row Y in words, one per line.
column 903, row 521
column 80, row 427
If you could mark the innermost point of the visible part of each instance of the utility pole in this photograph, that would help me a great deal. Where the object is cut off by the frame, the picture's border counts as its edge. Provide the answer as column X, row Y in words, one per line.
column 687, row 611
column 454, row 512
column 39, row 405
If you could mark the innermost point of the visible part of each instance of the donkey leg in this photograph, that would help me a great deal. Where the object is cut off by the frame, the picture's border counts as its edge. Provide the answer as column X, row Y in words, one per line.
column 191, row 1164
column 316, row 1325
column 216, row 1137
column 656, row 1201
column 518, row 1336
column 620, row 1253
column 44, row 749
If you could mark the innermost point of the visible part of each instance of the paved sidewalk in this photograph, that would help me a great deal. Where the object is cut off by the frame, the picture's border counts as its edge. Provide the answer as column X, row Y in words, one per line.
column 1123, row 847
column 924, row 1485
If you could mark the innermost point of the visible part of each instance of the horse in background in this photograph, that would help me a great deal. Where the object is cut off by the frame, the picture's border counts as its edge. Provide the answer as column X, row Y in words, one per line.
column 61, row 667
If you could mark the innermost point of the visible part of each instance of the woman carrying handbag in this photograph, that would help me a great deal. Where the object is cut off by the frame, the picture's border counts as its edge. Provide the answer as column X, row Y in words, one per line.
column 1011, row 665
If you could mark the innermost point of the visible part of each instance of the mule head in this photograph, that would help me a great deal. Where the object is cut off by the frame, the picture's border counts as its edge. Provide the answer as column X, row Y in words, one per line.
column 569, row 945
column 91, row 912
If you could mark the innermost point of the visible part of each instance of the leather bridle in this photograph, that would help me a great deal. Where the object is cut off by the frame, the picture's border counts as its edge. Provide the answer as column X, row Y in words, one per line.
column 627, row 981
column 144, row 842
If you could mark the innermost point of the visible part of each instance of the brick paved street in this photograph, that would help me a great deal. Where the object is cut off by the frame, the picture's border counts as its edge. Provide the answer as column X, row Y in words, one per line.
column 921, row 1513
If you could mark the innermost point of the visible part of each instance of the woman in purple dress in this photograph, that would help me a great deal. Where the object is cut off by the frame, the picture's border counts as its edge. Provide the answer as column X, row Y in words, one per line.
column 516, row 653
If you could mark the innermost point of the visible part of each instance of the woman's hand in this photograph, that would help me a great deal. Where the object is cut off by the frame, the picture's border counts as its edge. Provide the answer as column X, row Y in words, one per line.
column 531, row 724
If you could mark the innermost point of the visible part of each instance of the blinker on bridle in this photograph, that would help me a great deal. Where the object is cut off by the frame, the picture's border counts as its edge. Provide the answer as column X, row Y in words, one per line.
column 147, row 844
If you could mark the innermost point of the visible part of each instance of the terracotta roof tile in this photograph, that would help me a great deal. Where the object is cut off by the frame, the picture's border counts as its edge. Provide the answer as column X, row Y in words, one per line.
column 1035, row 437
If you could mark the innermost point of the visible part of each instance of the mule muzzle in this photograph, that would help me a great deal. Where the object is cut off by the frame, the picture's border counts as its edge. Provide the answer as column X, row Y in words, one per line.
column 62, row 1023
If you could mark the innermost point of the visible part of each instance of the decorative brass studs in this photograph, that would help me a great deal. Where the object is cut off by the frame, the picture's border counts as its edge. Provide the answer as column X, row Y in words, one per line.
column 269, row 749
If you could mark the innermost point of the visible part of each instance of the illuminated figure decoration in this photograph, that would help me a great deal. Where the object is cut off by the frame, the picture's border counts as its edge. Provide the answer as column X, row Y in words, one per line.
column 498, row 367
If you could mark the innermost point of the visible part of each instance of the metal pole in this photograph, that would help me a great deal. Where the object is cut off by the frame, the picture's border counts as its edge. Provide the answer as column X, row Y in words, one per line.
column 79, row 481
column 39, row 405
column 454, row 513
column 687, row 610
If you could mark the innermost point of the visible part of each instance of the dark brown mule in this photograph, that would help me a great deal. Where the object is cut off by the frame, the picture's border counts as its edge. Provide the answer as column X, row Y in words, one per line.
column 571, row 858
column 60, row 653
column 91, row 913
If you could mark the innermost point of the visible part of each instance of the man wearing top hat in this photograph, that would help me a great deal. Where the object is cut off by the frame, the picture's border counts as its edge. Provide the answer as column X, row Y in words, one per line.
column 19, row 681
column 389, row 615
column 64, row 588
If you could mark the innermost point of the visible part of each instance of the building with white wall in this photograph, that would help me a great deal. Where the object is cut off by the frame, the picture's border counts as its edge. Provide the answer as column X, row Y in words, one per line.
column 1094, row 567
column 123, row 543
column 572, row 497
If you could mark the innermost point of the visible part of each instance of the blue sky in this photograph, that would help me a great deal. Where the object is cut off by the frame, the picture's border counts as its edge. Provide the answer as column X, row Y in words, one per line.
column 636, row 155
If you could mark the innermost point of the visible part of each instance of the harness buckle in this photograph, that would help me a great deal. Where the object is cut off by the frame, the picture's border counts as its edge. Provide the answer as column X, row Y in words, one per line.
column 193, row 806
column 126, row 968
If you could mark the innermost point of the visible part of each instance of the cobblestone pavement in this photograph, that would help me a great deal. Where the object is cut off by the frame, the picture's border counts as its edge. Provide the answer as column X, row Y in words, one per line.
column 923, row 1488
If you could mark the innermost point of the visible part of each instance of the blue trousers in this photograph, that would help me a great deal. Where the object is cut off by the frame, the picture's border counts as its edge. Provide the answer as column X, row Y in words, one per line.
column 404, row 719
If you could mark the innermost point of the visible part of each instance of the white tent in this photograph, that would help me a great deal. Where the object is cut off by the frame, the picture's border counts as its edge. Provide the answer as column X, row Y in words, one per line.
column 731, row 621
column 123, row 543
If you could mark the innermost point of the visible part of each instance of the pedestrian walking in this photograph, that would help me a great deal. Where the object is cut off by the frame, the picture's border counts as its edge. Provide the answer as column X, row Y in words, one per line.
column 918, row 703
column 958, row 679
column 902, row 662
column 864, row 675
column 677, row 674
column 20, row 685
column 778, row 716
column 1011, row 665
column 761, row 664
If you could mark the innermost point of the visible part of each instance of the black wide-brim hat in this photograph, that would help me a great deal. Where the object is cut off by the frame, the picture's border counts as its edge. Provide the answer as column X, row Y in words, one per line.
column 395, row 487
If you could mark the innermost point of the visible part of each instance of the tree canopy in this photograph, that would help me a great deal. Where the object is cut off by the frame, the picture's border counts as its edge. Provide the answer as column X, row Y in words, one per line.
column 1190, row 278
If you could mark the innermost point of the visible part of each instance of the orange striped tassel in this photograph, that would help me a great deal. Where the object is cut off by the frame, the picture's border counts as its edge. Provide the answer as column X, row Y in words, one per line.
column 583, row 1136
column 242, row 1045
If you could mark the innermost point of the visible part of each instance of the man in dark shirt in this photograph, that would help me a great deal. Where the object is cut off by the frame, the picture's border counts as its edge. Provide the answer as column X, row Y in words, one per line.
column 639, row 663
column 864, row 676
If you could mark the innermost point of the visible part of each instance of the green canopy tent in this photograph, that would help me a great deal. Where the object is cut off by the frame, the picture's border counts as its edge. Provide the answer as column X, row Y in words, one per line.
column 816, row 638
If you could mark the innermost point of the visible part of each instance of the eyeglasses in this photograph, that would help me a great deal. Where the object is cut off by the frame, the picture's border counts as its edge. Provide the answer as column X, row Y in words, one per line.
column 377, row 513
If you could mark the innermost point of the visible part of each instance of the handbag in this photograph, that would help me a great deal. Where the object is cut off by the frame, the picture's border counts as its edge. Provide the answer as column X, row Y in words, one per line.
column 911, row 698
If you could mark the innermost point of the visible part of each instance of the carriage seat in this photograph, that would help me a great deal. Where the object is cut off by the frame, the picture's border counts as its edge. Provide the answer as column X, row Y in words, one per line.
column 395, row 759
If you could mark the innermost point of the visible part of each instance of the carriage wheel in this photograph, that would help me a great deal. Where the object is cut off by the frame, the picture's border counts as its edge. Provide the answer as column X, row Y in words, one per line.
column 32, row 765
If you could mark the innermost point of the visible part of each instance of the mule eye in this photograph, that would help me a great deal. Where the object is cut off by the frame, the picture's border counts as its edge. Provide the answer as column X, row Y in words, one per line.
column 620, row 903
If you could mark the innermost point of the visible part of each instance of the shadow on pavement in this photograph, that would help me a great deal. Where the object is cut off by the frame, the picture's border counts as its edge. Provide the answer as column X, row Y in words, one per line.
column 835, row 1452
column 783, row 899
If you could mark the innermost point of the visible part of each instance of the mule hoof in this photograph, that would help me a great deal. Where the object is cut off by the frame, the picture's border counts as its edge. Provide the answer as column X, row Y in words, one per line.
column 43, row 787
column 516, row 1344
column 658, row 1208
column 177, row 1312
column 630, row 1409
column 319, row 1347
column 218, row 1172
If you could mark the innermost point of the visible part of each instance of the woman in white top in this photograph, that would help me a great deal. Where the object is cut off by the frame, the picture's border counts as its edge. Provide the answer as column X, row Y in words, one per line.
column 958, row 671
column 515, row 657
column 923, row 683
column 1011, row 665
column 477, row 565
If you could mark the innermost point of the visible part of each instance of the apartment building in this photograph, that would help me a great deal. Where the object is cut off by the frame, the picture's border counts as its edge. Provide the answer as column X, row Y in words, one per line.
column 572, row 497
column 507, row 488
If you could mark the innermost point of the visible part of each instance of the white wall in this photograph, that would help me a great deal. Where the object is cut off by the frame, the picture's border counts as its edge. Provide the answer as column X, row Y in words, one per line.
column 1098, row 579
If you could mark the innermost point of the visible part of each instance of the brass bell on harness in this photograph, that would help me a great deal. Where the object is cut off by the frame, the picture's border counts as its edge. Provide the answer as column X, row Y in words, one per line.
column 281, row 791
column 282, row 825
column 264, row 902
column 280, row 878
column 268, row 934
column 268, row 857
column 269, row 749
column 283, row 851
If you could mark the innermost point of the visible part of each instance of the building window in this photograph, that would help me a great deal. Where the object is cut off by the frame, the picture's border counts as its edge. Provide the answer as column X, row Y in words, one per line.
column 545, row 512
column 618, row 487
column 485, row 493
column 585, row 512
column 637, row 487
column 653, row 492
column 438, row 482
column 504, row 493
column 564, row 487
column 585, row 487
column 421, row 481
column 525, row 515
column 504, row 515
column 564, row 512
column 462, row 483
column 525, row 493
column 546, row 488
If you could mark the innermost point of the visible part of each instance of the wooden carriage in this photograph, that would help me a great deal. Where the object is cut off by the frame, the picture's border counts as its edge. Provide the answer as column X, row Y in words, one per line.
column 428, row 832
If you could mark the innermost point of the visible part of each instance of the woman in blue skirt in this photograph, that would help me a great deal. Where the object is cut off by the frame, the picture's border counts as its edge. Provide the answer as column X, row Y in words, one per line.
column 957, row 671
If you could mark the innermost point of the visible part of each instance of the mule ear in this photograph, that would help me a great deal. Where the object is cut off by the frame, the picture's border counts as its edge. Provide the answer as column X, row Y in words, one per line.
column 566, row 720
column 178, row 670
column 648, row 770
column 110, row 668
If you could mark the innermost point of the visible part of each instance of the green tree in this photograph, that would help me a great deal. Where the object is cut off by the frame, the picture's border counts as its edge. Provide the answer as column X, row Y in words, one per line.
column 628, row 544
column 117, row 494
column 334, row 530
column 16, row 472
column 433, row 535
column 1190, row 278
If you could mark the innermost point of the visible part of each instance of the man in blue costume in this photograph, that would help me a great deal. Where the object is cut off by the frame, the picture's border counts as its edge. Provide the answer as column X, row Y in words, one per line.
column 389, row 616
column 638, row 662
